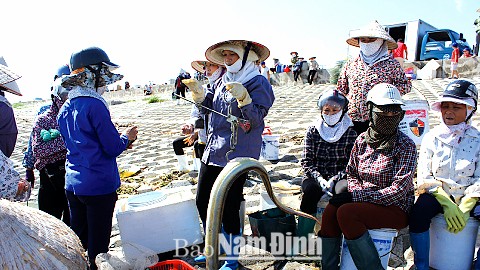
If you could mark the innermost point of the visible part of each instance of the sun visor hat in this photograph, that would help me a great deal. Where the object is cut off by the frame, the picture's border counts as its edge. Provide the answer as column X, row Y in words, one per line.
column 458, row 91
column 200, row 65
column 90, row 56
column 7, row 79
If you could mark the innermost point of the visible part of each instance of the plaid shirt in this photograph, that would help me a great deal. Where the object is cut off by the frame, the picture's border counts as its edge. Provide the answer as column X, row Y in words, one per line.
column 383, row 177
column 321, row 158
column 357, row 78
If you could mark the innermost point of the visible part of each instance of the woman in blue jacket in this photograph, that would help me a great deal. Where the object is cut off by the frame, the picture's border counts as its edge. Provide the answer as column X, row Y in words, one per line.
column 243, row 92
column 93, row 144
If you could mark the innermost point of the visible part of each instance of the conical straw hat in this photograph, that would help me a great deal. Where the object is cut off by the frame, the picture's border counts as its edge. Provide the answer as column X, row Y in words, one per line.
column 375, row 30
column 258, row 52
column 33, row 239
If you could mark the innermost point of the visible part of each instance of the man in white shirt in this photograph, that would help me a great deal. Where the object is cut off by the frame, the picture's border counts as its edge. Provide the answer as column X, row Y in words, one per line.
column 264, row 71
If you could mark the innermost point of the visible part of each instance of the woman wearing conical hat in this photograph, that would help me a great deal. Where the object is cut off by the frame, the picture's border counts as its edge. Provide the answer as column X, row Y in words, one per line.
column 243, row 92
column 372, row 66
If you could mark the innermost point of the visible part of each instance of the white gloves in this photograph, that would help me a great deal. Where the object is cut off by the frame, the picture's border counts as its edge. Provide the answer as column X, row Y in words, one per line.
column 198, row 94
column 326, row 186
column 239, row 92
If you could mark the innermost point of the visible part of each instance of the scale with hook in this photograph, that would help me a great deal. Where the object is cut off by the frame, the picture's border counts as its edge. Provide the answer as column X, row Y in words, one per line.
column 234, row 121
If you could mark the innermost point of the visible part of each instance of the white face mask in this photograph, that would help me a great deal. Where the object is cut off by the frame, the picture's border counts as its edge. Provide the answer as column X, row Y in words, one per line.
column 372, row 47
column 235, row 67
column 332, row 119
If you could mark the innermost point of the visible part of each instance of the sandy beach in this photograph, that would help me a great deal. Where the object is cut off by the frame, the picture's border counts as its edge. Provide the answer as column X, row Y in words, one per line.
column 159, row 123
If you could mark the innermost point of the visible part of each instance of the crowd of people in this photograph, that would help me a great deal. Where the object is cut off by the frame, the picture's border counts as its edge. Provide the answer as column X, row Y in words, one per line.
column 354, row 154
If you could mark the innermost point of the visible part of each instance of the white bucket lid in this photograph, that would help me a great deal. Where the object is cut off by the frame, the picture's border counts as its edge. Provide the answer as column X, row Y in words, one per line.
column 145, row 199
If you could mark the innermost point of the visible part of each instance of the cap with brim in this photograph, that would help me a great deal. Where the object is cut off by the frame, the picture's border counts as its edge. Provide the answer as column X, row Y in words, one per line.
column 436, row 106
column 7, row 79
column 199, row 65
column 258, row 52
column 312, row 58
column 294, row 53
column 373, row 30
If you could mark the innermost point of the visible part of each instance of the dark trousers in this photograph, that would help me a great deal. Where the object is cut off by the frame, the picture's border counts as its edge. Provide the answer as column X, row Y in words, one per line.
column 91, row 220
column 206, row 178
column 360, row 127
column 312, row 192
column 477, row 39
column 427, row 207
column 180, row 91
column 296, row 74
column 311, row 75
column 354, row 219
column 51, row 194
column 179, row 144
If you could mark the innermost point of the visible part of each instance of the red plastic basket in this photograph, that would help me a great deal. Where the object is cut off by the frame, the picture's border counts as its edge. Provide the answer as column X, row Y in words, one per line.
column 171, row 265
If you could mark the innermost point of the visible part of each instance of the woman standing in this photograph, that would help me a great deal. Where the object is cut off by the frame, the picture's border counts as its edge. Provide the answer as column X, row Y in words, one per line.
column 380, row 184
column 449, row 170
column 242, row 92
column 50, row 153
column 93, row 145
column 372, row 66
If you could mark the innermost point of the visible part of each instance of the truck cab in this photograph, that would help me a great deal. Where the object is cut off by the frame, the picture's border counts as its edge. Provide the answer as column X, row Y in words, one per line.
column 438, row 43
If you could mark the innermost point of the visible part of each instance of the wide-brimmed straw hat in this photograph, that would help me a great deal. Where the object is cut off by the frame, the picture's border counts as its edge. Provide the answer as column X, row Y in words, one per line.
column 200, row 64
column 7, row 79
column 258, row 52
column 373, row 30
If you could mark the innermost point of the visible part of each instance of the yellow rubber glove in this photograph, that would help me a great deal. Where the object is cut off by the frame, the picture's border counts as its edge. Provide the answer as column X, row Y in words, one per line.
column 239, row 92
column 451, row 212
column 466, row 205
column 198, row 94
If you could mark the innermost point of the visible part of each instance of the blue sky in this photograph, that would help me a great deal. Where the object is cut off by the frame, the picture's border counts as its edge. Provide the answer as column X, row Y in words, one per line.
column 152, row 40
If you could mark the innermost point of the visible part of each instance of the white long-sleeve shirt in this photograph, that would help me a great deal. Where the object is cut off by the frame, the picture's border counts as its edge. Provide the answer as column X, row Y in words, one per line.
column 457, row 169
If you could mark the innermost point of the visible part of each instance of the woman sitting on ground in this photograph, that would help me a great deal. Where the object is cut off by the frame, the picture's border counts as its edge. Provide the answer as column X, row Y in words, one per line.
column 380, row 184
column 449, row 170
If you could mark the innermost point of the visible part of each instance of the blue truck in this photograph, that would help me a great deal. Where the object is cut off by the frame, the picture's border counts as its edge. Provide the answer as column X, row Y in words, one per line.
column 424, row 41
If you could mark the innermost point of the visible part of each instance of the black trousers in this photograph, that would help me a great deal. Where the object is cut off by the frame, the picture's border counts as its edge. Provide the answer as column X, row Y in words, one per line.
column 179, row 144
column 51, row 194
column 296, row 74
column 180, row 91
column 312, row 192
column 92, row 221
column 230, row 219
column 311, row 75
column 477, row 39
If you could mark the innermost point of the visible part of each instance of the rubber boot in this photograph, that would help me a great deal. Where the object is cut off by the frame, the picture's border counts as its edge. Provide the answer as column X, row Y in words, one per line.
column 178, row 102
column 182, row 163
column 305, row 226
column 196, row 164
column 331, row 253
column 232, row 251
column 364, row 253
column 421, row 249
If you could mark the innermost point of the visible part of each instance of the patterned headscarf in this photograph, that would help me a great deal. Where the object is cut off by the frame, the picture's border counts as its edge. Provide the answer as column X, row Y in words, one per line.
column 382, row 132
column 86, row 78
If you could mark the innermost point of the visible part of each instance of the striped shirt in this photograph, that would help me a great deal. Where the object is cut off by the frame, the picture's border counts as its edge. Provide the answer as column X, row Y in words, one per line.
column 321, row 158
column 383, row 177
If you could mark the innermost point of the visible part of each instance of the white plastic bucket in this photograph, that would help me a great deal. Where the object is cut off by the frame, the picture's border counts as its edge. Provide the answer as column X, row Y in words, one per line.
column 382, row 238
column 415, row 122
column 321, row 205
column 270, row 147
column 449, row 250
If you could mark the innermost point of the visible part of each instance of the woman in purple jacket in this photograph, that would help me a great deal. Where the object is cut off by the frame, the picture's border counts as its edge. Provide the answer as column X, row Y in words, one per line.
column 245, row 93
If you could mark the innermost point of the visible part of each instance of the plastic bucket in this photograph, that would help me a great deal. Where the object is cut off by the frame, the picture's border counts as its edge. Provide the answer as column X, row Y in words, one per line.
column 382, row 238
column 450, row 250
column 270, row 147
column 321, row 205
column 264, row 223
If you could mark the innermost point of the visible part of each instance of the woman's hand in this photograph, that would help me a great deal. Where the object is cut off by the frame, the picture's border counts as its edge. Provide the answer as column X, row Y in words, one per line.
column 187, row 129
column 341, row 198
column 131, row 133
column 198, row 94
column 191, row 139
